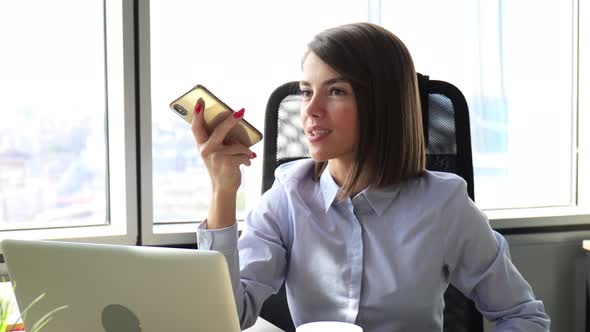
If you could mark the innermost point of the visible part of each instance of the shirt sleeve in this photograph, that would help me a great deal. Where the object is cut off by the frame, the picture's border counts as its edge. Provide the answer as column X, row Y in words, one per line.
column 480, row 267
column 258, row 259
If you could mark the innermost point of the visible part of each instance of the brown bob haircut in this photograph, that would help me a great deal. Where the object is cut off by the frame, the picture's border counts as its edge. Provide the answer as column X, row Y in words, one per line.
column 381, row 71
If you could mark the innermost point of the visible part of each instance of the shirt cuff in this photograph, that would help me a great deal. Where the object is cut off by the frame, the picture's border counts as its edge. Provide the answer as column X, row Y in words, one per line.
column 224, row 240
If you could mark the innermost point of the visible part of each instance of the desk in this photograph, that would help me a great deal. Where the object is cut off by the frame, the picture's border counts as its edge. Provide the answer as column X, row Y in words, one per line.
column 263, row 326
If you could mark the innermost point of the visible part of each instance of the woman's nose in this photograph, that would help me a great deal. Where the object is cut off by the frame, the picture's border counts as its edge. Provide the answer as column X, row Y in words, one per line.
column 314, row 107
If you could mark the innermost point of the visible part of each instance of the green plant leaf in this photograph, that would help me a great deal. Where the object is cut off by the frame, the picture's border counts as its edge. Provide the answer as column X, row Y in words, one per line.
column 40, row 324
column 5, row 311
column 46, row 318
column 23, row 314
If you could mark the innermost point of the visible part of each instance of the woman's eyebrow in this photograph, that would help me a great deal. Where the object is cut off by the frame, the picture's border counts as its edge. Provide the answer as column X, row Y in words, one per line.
column 337, row 79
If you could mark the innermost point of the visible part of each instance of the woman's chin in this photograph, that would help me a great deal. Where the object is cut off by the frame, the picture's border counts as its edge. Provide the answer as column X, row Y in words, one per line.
column 318, row 156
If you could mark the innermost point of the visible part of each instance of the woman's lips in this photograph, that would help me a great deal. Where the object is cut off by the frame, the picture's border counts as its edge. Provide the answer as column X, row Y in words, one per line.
column 317, row 134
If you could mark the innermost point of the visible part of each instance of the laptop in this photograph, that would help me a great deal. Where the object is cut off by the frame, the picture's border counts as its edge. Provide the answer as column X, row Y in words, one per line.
column 116, row 288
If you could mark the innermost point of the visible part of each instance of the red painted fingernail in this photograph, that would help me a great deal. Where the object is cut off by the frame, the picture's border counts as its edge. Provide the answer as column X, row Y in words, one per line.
column 253, row 154
column 198, row 108
column 239, row 113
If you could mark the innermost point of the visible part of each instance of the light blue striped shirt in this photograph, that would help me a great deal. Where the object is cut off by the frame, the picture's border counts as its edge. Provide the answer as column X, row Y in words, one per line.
column 381, row 260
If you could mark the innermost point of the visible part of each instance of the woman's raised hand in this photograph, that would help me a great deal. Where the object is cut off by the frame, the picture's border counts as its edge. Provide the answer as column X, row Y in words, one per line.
column 221, row 155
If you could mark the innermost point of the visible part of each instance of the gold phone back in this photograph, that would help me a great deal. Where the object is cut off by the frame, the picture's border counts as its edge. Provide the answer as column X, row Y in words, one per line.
column 215, row 112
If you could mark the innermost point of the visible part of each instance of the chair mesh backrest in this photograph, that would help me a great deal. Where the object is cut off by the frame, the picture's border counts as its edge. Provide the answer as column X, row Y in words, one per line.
column 442, row 143
column 448, row 149
column 290, row 137
column 443, row 108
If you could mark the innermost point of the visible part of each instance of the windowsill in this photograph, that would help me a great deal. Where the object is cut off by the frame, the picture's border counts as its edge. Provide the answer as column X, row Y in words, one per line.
column 114, row 234
column 538, row 217
column 179, row 233
column 186, row 227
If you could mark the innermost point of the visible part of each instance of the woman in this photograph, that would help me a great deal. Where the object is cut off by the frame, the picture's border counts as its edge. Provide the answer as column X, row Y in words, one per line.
column 361, row 232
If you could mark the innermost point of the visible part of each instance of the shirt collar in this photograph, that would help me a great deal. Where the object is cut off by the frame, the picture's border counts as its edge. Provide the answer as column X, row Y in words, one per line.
column 378, row 198
column 329, row 189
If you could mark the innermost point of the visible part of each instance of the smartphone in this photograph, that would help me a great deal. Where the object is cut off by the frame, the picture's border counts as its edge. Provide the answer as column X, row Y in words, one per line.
column 215, row 111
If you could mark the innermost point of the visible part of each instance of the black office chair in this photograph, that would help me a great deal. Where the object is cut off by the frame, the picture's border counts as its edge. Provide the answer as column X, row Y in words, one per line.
column 448, row 145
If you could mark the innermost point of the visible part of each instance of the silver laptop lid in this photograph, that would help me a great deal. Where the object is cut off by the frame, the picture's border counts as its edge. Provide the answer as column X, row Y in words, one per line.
column 114, row 288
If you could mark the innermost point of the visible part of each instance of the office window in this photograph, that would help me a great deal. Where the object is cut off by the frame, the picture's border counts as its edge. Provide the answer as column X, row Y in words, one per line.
column 518, row 79
column 241, row 51
column 52, row 114
column 55, row 130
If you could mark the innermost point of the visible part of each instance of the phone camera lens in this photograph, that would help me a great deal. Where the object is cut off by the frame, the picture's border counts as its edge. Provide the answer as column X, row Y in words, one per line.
column 181, row 110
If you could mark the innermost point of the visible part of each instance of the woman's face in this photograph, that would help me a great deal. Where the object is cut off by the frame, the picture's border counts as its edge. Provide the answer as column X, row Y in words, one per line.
column 328, row 113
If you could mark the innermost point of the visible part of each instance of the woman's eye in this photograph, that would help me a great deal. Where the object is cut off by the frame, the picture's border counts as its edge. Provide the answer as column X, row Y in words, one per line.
column 305, row 93
column 337, row 92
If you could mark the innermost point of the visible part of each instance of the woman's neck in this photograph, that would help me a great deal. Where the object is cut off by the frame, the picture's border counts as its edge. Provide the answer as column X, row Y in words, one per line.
column 339, row 170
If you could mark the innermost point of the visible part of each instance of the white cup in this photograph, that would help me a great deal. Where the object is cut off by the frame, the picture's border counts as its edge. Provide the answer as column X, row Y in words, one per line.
column 329, row 327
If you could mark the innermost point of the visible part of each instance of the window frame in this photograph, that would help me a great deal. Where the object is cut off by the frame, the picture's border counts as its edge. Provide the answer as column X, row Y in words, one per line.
column 151, row 233
column 129, row 164
column 122, row 214
column 526, row 220
column 576, row 216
